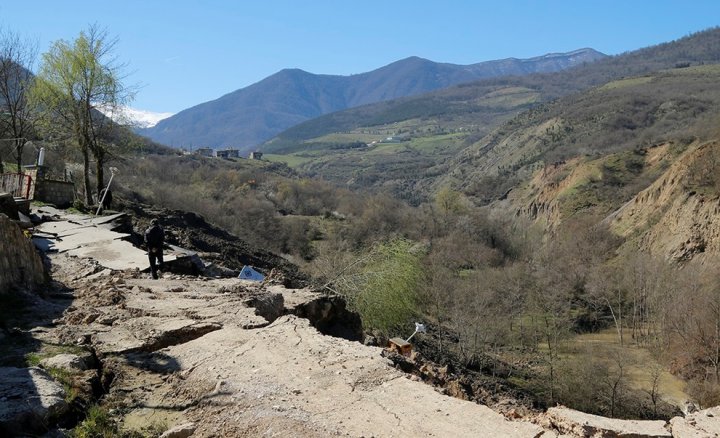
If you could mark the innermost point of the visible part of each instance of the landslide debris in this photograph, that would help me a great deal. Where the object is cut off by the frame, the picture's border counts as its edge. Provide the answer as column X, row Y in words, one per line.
column 214, row 245
column 227, row 357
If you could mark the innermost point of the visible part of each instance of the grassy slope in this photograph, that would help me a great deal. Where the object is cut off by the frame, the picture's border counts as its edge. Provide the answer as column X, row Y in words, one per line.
column 400, row 166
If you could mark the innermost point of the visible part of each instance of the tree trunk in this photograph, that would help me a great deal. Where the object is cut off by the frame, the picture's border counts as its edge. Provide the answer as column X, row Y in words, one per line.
column 551, row 360
column 19, row 146
column 617, row 321
column 86, row 175
column 620, row 320
column 99, row 173
column 716, row 359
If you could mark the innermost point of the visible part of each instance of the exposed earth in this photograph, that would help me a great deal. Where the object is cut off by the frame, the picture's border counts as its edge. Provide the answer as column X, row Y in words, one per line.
column 204, row 354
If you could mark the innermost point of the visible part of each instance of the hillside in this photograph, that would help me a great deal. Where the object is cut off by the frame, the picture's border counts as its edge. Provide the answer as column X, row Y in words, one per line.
column 676, row 216
column 603, row 128
column 324, row 147
column 399, row 155
column 251, row 115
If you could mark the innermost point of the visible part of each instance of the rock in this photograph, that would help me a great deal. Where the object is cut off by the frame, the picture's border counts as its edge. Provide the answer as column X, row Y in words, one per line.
column 67, row 362
column 8, row 206
column 20, row 264
column 212, row 270
column 181, row 431
column 270, row 306
column 689, row 407
column 698, row 424
column 576, row 423
column 29, row 398
column 107, row 319
column 370, row 341
column 513, row 414
column 91, row 316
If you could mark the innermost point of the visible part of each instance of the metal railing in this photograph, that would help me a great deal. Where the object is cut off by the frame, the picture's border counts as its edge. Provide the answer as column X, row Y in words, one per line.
column 19, row 185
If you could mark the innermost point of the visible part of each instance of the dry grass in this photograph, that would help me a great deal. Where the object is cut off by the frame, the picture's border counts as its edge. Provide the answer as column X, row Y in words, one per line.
column 605, row 344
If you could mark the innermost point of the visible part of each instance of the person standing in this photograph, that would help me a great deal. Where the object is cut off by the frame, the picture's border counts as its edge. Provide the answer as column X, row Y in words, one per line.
column 154, row 239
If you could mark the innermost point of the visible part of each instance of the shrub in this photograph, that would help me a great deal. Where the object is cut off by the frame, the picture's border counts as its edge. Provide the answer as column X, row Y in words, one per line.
column 383, row 286
column 98, row 423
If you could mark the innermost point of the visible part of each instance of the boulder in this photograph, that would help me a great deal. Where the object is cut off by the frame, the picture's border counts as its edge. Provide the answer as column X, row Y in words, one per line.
column 181, row 431
column 20, row 265
column 67, row 362
column 270, row 306
column 29, row 400
column 705, row 423
column 8, row 206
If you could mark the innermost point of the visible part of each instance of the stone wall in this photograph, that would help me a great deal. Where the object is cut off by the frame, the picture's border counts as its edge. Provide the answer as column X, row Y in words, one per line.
column 20, row 264
column 59, row 193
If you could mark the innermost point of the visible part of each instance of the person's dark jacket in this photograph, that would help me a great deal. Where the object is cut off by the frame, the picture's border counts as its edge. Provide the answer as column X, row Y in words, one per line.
column 106, row 198
column 154, row 236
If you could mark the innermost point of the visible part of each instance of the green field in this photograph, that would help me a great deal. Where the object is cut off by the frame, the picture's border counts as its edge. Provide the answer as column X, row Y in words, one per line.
column 291, row 160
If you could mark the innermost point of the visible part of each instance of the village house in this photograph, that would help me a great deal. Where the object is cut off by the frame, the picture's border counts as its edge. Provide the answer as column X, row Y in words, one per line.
column 205, row 152
column 227, row 153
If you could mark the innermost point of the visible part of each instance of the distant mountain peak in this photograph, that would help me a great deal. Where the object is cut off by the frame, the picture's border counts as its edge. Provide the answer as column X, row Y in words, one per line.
column 413, row 59
column 292, row 71
column 249, row 116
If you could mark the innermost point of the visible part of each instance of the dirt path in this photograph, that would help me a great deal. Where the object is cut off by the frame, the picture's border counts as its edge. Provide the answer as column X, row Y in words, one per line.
column 192, row 349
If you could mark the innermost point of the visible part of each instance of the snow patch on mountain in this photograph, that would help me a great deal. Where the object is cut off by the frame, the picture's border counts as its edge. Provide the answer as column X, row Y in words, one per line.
column 135, row 117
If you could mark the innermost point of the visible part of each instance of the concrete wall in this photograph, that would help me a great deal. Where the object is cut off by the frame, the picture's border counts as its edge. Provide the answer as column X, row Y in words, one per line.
column 59, row 193
column 20, row 264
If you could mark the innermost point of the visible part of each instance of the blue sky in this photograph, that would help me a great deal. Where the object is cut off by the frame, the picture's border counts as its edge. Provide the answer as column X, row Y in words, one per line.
column 184, row 52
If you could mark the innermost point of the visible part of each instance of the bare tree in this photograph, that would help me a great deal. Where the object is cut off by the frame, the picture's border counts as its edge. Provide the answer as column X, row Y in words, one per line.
column 549, row 305
column 654, row 390
column 615, row 382
column 17, row 57
column 481, row 313
column 609, row 290
column 691, row 324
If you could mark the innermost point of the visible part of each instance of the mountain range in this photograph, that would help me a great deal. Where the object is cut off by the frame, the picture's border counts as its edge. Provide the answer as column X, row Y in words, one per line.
column 246, row 117
column 458, row 131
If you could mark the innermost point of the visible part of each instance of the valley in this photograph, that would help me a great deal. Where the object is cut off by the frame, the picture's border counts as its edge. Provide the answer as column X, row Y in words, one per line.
column 200, row 356
column 554, row 230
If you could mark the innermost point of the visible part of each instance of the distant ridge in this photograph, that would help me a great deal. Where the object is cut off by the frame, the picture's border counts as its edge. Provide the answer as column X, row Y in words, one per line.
column 454, row 129
column 460, row 102
column 251, row 115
